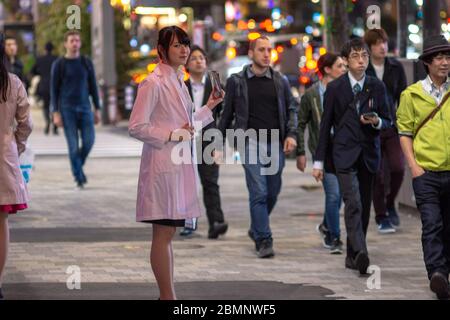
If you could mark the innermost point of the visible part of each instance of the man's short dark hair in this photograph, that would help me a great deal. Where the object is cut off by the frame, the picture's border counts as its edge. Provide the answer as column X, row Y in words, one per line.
column 372, row 36
column 197, row 48
column 252, row 44
column 71, row 33
column 356, row 44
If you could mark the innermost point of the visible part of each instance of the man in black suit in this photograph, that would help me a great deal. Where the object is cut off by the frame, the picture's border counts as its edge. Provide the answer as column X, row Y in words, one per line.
column 199, row 86
column 355, row 110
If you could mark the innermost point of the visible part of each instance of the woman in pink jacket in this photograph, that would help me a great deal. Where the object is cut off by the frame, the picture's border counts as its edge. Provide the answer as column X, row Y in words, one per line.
column 163, row 118
column 15, row 127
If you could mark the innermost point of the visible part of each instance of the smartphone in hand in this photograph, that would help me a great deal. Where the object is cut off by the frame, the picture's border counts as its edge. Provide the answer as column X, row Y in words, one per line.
column 369, row 115
column 215, row 83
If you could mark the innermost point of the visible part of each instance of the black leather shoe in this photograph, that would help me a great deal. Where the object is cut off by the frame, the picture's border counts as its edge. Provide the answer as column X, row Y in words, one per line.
column 1, row 294
column 362, row 262
column 217, row 229
column 349, row 264
column 439, row 285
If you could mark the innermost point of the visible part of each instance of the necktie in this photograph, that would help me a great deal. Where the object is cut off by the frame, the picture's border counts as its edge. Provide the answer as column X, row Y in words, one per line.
column 356, row 90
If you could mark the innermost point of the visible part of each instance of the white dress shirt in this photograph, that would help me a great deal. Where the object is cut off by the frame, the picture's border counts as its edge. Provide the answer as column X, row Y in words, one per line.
column 198, row 90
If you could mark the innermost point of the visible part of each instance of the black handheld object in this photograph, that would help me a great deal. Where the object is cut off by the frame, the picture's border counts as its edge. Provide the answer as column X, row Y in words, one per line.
column 369, row 115
column 215, row 83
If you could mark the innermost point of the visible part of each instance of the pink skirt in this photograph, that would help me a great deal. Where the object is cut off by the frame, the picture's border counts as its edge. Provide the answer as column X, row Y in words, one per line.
column 12, row 208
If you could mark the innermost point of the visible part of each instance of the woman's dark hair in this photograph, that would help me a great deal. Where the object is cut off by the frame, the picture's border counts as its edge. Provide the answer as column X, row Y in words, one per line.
column 326, row 60
column 4, row 78
column 167, row 35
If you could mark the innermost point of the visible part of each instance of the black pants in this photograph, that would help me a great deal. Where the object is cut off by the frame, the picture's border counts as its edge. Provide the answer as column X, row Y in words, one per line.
column 432, row 192
column 356, row 186
column 209, row 176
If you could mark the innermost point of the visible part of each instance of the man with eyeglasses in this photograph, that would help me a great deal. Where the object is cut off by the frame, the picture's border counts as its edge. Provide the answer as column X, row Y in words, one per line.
column 355, row 110
column 423, row 121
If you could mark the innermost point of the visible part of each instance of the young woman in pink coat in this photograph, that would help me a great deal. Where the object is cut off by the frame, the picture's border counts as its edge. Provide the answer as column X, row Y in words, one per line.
column 163, row 118
column 15, row 127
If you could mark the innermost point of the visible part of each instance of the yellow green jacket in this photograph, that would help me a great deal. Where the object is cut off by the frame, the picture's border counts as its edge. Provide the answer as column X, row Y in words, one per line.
column 432, row 144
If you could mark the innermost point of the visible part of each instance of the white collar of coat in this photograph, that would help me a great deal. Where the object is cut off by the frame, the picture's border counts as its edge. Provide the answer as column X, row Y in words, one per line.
column 163, row 69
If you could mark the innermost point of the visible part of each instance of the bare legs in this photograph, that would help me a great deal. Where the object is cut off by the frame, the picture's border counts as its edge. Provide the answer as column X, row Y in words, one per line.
column 4, row 242
column 161, row 259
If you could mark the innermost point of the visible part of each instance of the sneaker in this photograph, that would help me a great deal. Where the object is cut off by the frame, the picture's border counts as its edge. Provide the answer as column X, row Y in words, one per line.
column 393, row 217
column 325, row 235
column 80, row 185
column 385, row 227
column 186, row 232
column 266, row 249
column 336, row 246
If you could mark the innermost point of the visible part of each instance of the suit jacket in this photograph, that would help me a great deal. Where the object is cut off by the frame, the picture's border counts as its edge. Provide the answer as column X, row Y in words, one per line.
column 351, row 137
column 394, row 78
column 206, row 94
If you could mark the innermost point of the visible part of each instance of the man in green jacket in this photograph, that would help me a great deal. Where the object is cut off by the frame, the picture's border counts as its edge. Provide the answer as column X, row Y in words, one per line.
column 331, row 66
column 425, row 142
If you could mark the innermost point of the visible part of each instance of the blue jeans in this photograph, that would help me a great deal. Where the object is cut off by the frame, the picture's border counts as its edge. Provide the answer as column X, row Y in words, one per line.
column 78, row 121
column 333, row 202
column 263, row 188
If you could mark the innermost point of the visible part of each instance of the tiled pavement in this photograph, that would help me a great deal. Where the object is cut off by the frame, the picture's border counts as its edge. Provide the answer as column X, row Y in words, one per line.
column 97, row 220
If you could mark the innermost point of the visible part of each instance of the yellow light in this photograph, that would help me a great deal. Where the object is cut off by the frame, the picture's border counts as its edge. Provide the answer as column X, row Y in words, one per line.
column 253, row 35
column 229, row 27
column 251, row 24
column 125, row 2
column 308, row 53
column 322, row 51
column 294, row 41
column 155, row 11
column 151, row 67
column 280, row 49
column 186, row 76
column 274, row 56
column 231, row 53
column 311, row 64
column 113, row 3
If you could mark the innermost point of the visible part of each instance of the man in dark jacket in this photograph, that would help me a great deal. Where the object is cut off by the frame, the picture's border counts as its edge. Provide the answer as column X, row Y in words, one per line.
column 259, row 100
column 392, row 166
column 13, row 63
column 200, row 88
column 43, row 68
column 355, row 106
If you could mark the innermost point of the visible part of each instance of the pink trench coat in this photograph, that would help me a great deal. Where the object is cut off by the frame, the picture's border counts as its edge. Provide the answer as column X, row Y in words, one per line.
column 13, row 189
column 166, row 190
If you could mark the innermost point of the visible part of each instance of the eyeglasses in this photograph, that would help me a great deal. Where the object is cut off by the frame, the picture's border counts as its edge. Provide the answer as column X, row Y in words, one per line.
column 356, row 56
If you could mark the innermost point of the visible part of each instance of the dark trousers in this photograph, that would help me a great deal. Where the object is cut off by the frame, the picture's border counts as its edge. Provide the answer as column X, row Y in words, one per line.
column 389, row 177
column 432, row 192
column 78, row 120
column 356, row 188
column 209, row 176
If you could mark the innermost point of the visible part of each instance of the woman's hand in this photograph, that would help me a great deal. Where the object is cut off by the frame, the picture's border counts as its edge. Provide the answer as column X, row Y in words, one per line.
column 185, row 133
column 213, row 102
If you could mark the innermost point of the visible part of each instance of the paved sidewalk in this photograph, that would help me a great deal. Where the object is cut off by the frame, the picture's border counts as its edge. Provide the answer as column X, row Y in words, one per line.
column 95, row 229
